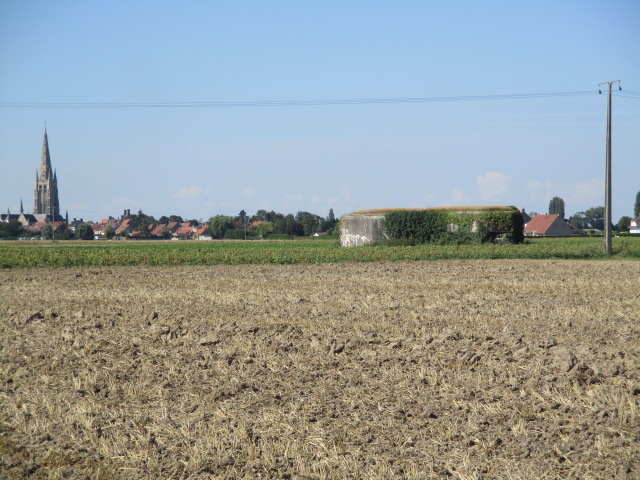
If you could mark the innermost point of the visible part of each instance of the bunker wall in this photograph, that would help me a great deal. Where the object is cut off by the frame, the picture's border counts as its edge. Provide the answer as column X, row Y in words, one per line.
column 358, row 230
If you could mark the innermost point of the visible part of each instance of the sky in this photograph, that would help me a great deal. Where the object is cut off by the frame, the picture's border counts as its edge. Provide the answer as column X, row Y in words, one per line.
column 110, row 80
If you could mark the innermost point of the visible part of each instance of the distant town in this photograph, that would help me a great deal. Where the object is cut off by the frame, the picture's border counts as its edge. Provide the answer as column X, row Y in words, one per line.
column 145, row 227
column 46, row 221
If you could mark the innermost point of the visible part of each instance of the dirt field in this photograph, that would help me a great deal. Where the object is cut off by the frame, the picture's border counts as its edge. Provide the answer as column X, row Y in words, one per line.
column 468, row 369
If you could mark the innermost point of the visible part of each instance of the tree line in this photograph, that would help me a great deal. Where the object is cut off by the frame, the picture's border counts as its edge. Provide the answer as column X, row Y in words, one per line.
column 592, row 218
column 265, row 223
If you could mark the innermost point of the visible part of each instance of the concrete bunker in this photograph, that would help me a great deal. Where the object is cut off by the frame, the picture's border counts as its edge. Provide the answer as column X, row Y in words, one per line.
column 364, row 227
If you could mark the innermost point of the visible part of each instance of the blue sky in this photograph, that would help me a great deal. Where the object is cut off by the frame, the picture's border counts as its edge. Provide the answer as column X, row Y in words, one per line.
column 198, row 162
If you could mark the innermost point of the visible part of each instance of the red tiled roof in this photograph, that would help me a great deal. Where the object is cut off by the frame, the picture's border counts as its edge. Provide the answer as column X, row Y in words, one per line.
column 540, row 223
column 158, row 230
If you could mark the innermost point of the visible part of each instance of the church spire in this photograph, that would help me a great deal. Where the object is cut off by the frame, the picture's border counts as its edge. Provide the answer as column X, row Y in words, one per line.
column 45, row 194
column 45, row 159
column 21, row 208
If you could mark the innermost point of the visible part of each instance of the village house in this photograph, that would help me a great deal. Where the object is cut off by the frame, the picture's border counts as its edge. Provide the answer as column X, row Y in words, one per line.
column 124, row 228
column 184, row 232
column 199, row 234
column 547, row 226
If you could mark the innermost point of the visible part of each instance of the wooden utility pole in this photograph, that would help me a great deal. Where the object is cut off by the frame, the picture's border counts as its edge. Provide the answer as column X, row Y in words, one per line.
column 607, row 176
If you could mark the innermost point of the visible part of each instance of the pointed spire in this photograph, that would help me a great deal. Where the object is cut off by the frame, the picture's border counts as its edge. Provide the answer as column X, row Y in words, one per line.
column 45, row 159
column 21, row 207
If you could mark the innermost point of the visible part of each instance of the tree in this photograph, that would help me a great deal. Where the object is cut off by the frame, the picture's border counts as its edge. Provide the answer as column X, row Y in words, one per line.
column 624, row 223
column 290, row 226
column 47, row 232
column 310, row 222
column 243, row 223
column 329, row 222
column 164, row 220
column 62, row 232
column 579, row 220
column 109, row 232
column 264, row 229
column 11, row 229
column 219, row 225
column 84, row 232
column 141, row 222
column 556, row 206
column 262, row 216
column 166, row 232
column 636, row 208
column 595, row 217
column 175, row 218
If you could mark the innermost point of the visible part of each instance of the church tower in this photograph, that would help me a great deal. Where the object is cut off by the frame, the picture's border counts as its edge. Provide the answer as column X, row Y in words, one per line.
column 45, row 195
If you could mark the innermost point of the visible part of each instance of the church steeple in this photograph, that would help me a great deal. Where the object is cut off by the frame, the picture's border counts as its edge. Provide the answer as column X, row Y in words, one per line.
column 45, row 195
column 45, row 159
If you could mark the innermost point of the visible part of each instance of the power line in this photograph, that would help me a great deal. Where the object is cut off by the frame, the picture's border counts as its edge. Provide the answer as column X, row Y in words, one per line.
column 625, row 95
column 288, row 103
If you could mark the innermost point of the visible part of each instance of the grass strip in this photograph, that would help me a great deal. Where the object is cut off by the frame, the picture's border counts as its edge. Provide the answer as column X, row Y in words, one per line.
column 129, row 253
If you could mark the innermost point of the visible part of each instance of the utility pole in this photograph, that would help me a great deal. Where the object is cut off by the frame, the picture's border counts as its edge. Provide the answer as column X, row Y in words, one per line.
column 607, row 176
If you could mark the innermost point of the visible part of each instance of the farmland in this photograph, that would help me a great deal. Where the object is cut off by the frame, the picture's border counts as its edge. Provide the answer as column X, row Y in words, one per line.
column 130, row 253
column 468, row 369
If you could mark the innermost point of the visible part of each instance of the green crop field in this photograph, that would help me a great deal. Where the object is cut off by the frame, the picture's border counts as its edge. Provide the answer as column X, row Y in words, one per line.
column 130, row 253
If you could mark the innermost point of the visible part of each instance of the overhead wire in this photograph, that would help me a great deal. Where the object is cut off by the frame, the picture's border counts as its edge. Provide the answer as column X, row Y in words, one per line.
column 289, row 103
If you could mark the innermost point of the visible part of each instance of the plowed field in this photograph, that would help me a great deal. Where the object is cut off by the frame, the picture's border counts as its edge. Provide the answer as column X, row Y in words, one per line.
column 460, row 369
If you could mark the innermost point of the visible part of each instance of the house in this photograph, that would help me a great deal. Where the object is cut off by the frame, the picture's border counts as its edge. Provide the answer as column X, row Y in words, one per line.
column 184, row 231
column 74, row 223
column 634, row 225
column 199, row 234
column 124, row 228
column 98, row 229
column 548, row 226
column 158, row 231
